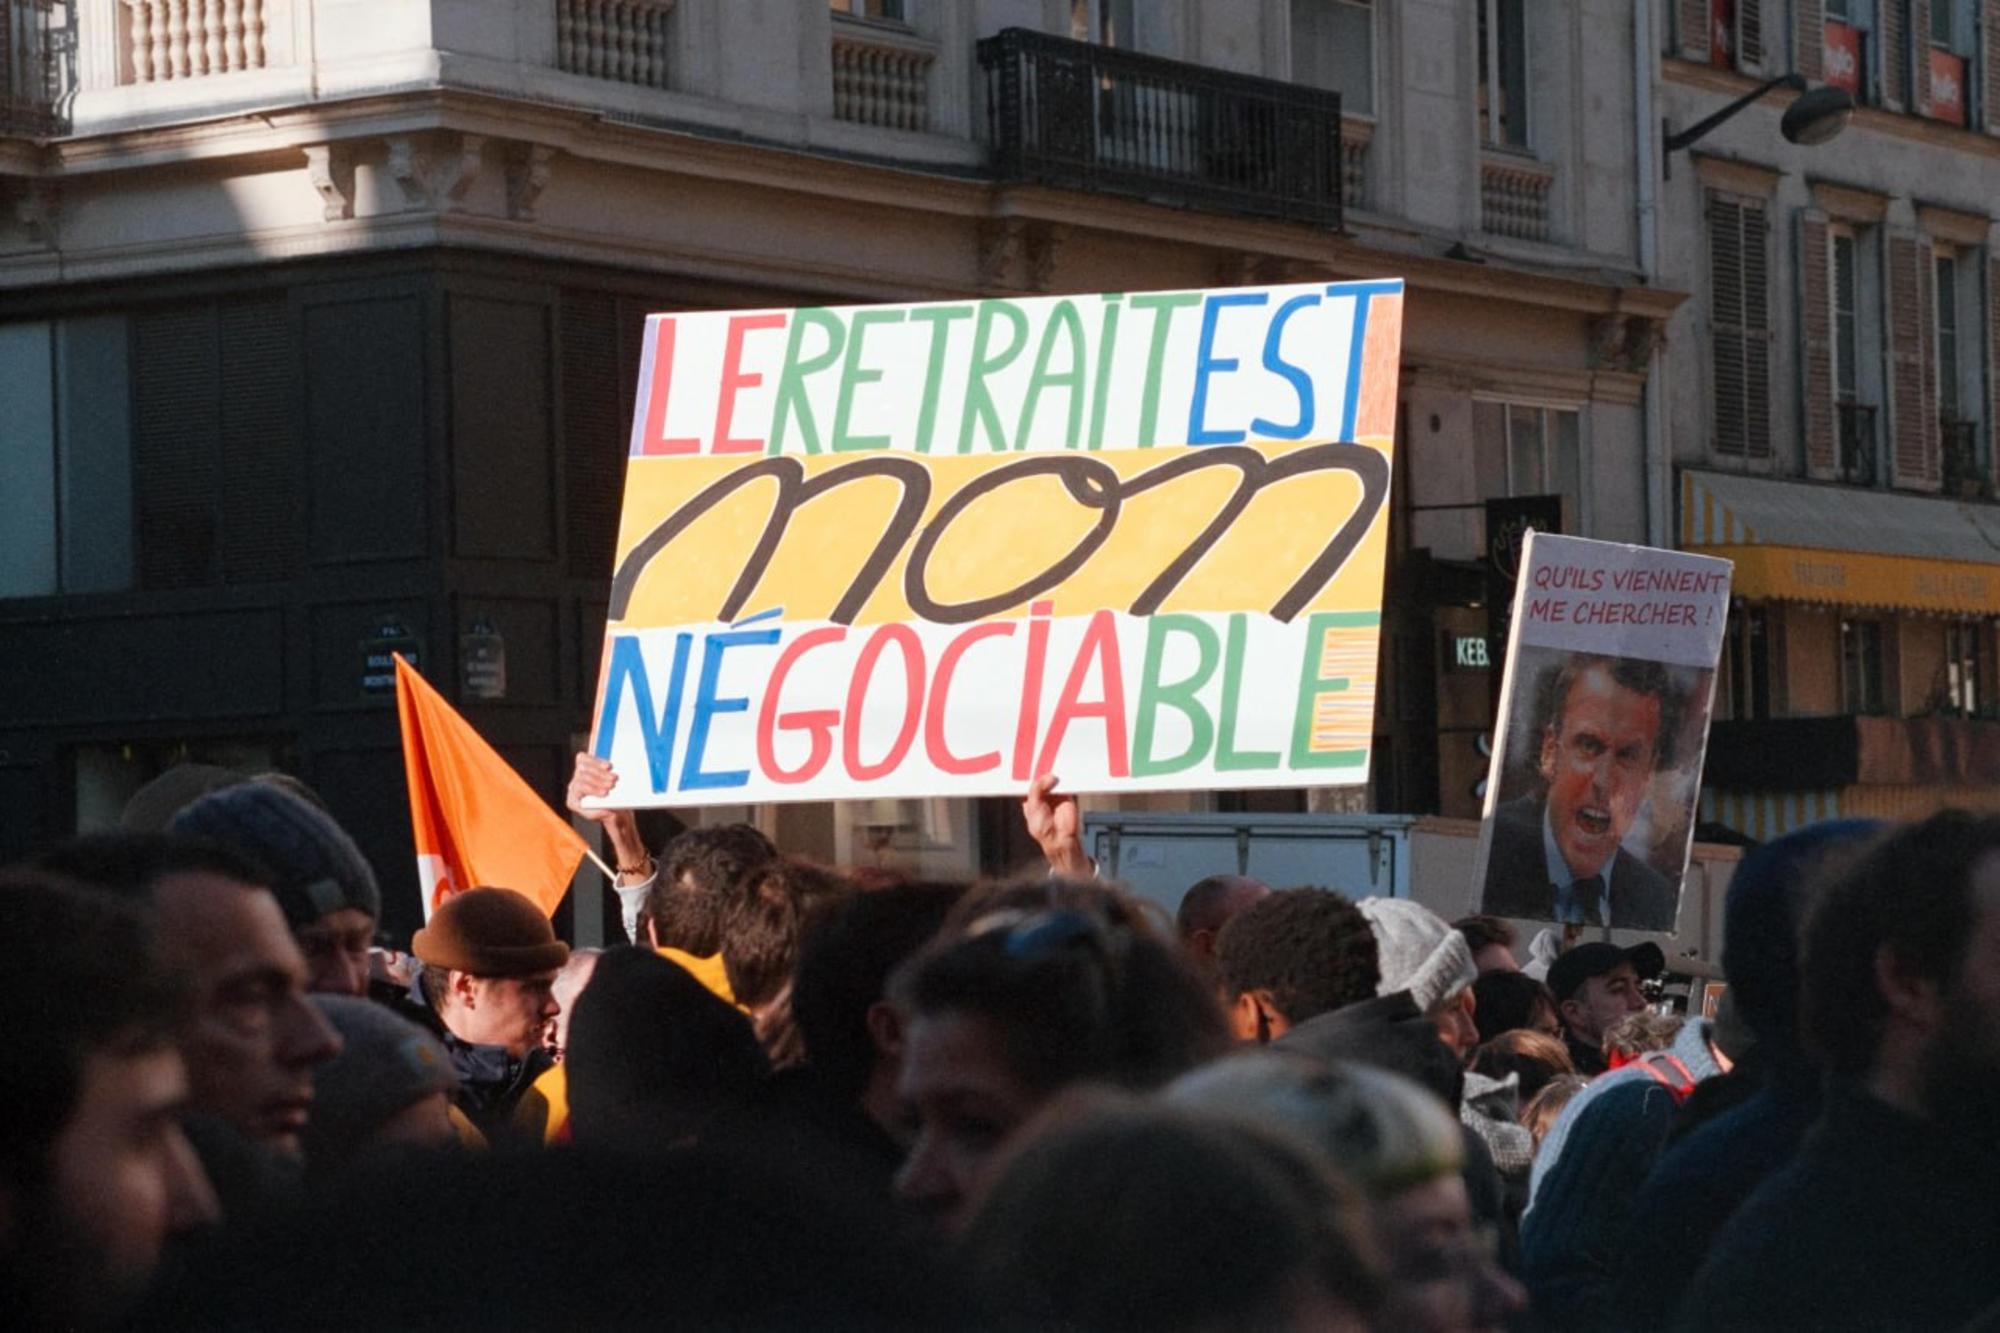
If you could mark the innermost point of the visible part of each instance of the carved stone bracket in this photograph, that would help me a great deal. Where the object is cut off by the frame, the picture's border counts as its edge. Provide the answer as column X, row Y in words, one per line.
column 435, row 170
column 527, row 176
column 1623, row 342
column 331, row 169
column 1248, row 269
column 31, row 207
column 1019, row 253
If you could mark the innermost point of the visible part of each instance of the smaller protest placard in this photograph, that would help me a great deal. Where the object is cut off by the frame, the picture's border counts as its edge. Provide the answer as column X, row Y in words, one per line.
column 1604, row 710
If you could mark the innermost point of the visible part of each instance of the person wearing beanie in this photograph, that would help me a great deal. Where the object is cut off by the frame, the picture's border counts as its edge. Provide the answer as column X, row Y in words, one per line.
column 390, row 1087
column 1420, row 954
column 324, row 884
column 1586, row 1180
column 487, row 988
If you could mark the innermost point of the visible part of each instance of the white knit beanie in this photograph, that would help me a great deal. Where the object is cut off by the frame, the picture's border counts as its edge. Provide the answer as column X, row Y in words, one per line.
column 1419, row 953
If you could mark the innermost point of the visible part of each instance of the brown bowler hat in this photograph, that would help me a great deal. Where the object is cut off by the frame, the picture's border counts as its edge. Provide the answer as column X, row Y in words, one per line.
column 490, row 933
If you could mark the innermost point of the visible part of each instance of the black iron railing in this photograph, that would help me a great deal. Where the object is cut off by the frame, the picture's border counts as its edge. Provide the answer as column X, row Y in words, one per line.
column 1964, row 471
column 1088, row 117
column 1858, row 447
column 35, row 42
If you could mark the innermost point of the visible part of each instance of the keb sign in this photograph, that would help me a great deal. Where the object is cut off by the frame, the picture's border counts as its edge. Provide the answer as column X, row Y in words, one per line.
column 881, row 551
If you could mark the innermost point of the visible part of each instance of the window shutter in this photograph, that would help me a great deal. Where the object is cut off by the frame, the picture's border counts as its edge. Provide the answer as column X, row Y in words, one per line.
column 1992, row 298
column 1809, row 38
column 263, row 525
column 1750, row 35
column 1933, row 429
column 1920, row 54
column 1892, row 53
column 1816, row 416
column 1989, row 46
column 175, row 428
column 1691, row 41
column 1907, row 339
column 1740, row 323
column 593, row 444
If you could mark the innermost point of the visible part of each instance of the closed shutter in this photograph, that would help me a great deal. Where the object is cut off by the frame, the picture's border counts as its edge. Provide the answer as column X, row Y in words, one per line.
column 175, row 432
column 1989, row 46
column 1992, row 298
column 1893, row 54
column 1914, row 425
column 593, row 444
column 1750, row 36
column 1739, row 291
column 263, row 525
column 1816, row 337
column 1920, row 48
column 1691, row 36
column 1809, row 38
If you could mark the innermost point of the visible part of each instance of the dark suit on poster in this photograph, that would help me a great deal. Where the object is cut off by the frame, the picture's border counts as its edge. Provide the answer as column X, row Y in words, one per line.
column 1517, row 876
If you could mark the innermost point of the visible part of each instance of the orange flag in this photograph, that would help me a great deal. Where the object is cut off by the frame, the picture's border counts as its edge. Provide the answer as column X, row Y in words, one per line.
column 476, row 822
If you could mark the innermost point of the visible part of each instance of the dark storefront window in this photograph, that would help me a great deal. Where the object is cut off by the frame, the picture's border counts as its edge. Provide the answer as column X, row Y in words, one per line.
column 1861, row 682
column 1747, row 664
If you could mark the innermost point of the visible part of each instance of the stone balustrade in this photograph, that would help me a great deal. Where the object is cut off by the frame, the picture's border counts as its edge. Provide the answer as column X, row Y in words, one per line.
column 191, row 39
column 1514, row 196
column 881, row 76
column 625, row 41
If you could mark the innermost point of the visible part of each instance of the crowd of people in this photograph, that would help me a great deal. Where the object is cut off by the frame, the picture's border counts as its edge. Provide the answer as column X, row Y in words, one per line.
column 807, row 1099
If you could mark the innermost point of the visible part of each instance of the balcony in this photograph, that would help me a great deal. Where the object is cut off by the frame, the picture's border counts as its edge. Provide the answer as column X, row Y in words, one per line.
column 1859, row 449
column 1817, row 753
column 1514, row 195
column 1964, row 472
column 36, row 36
column 1081, row 116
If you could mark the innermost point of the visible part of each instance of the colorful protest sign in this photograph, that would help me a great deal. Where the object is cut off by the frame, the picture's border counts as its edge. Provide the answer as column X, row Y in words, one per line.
column 1604, row 710
column 882, row 551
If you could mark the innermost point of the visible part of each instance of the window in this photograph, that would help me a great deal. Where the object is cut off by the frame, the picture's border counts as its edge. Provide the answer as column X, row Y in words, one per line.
column 1949, row 397
column 889, row 11
column 1746, row 664
column 1962, row 654
column 65, row 457
column 1847, row 46
column 1739, row 273
column 1846, row 319
column 1523, row 449
column 1736, row 34
column 1954, row 26
column 1503, row 73
column 1861, row 689
column 1333, row 46
column 1106, row 22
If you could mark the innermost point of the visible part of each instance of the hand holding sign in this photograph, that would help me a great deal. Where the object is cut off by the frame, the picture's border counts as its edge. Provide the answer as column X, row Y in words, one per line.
column 1057, row 828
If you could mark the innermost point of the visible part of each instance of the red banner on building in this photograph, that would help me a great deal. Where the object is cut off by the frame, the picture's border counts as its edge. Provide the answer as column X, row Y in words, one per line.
column 1947, row 87
column 1722, row 33
column 1843, row 57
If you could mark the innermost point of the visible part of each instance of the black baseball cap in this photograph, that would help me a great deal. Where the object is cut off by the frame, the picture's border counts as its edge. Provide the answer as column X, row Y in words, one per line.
column 1595, row 958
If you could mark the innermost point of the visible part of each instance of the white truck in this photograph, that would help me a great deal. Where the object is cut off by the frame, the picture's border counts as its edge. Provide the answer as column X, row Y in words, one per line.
column 1422, row 857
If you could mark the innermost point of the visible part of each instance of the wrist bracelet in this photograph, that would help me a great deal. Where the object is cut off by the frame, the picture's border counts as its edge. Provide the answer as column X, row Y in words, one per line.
column 643, row 869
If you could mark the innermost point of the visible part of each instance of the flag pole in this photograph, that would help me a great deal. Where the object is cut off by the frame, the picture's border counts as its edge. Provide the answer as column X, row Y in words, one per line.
column 598, row 861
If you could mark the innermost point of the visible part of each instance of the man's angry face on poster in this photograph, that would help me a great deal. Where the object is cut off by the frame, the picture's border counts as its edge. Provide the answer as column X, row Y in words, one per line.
column 1598, row 753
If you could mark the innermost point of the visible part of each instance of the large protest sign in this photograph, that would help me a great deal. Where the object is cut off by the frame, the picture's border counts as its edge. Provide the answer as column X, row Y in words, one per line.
column 1604, row 710
column 1136, row 540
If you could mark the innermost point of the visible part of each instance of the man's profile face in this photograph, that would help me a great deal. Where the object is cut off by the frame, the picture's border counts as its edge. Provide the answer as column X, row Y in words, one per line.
column 1598, row 760
column 510, row 1012
column 254, row 1040
column 122, row 1179
column 1962, row 1074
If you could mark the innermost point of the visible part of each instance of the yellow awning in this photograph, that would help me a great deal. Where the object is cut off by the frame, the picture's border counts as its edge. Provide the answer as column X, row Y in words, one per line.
column 1855, row 578
column 1845, row 545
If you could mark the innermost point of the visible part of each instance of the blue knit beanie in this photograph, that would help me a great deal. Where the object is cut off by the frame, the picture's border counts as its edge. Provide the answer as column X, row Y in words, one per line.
column 318, row 867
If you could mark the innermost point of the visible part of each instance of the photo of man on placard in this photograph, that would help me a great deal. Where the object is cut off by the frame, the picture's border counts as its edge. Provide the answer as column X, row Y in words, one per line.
column 1591, row 822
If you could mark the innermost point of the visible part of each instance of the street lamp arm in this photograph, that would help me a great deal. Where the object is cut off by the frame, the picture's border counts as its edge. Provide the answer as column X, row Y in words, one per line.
column 1676, row 142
